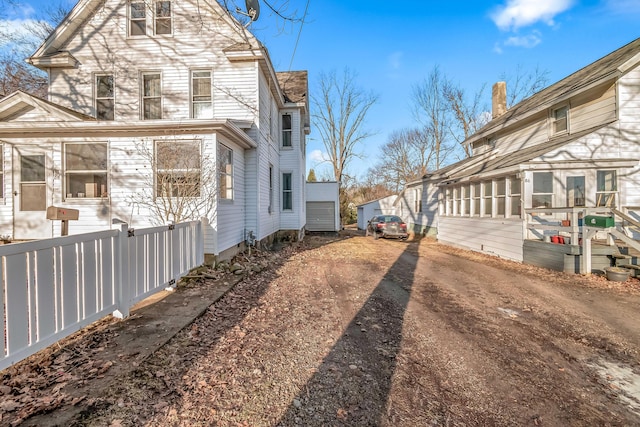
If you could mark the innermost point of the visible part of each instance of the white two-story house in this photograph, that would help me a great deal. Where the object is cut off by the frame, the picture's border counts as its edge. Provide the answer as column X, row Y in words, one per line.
column 157, row 111
column 575, row 144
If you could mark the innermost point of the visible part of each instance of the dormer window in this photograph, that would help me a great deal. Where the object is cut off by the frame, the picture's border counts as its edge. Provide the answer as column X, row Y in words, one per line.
column 137, row 18
column 163, row 17
column 560, row 120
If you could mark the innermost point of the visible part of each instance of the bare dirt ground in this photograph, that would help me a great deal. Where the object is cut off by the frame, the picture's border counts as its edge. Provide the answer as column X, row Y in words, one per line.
column 352, row 331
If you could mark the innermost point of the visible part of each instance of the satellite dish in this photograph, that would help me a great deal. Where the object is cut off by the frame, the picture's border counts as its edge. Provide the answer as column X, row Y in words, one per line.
column 253, row 9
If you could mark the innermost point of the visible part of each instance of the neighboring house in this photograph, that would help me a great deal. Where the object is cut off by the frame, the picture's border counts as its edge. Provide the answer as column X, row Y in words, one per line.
column 323, row 206
column 382, row 206
column 159, row 113
column 573, row 144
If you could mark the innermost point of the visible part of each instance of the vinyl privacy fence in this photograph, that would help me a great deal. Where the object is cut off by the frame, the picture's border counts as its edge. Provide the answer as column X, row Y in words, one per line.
column 52, row 288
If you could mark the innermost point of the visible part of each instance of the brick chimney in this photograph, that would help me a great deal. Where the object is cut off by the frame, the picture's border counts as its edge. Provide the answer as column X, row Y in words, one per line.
column 498, row 99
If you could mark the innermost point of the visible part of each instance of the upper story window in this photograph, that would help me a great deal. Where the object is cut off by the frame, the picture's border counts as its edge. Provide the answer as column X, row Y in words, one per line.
column 287, row 191
column 201, row 99
column 151, row 96
column 542, row 196
column 105, row 100
column 607, row 187
column 137, row 18
column 85, row 170
column 178, row 168
column 163, row 17
column 560, row 120
column 286, row 130
column 225, row 172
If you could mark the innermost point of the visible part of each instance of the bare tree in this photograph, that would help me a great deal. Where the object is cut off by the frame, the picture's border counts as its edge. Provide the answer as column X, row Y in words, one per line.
column 431, row 109
column 522, row 84
column 177, row 183
column 468, row 114
column 341, row 109
column 407, row 156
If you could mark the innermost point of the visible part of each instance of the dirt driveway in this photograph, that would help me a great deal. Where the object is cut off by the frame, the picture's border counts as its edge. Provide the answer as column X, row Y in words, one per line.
column 355, row 331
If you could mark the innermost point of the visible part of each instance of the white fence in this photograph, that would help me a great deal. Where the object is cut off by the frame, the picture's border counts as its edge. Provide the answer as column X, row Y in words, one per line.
column 54, row 287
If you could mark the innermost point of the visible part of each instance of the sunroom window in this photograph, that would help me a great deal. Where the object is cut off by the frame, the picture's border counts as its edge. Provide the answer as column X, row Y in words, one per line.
column 85, row 169
column 542, row 196
column 607, row 187
column 515, row 194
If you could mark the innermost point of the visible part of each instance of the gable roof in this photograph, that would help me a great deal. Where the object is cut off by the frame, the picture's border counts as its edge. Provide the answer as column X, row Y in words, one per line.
column 294, row 85
column 19, row 101
column 610, row 67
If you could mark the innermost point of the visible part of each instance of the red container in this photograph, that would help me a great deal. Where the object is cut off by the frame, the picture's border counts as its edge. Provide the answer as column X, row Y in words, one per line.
column 555, row 239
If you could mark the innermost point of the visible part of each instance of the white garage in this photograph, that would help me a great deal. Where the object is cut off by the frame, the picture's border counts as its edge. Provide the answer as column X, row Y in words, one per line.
column 323, row 206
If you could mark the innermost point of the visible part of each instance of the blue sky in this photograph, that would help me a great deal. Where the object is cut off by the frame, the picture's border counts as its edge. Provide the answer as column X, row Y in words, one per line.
column 393, row 46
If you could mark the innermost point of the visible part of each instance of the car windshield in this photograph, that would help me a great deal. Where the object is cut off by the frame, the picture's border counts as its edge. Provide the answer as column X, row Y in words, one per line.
column 391, row 219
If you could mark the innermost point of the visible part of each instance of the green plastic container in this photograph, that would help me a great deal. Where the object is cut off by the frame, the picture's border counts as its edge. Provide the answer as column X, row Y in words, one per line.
column 599, row 221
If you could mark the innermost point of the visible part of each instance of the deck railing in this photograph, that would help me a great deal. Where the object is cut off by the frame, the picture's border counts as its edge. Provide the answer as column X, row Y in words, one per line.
column 51, row 288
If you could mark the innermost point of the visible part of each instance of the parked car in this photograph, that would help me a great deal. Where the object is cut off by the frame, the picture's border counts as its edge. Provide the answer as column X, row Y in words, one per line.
column 386, row 226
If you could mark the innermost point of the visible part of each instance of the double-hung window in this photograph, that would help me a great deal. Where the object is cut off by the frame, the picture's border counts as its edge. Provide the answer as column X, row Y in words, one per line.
column 163, row 17
column 85, row 170
column 560, row 120
column 105, row 97
column 178, row 169
column 287, row 191
column 542, row 196
column 225, row 172
column 151, row 96
column 201, row 99
column 607, row 187
column 137, row 18
column 286, row 130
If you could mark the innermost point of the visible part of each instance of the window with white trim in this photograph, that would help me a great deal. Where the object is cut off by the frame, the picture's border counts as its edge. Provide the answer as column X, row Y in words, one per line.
column 225, row 172
column 466, row 200
column 137, row 18
column 105, row 97
column 151, row 96
column 501, row 196
column 286, row 130
column 542, row 196
column 487, row 194
column 287, row 192
column 607, row 187
column 270, row 189
column 515, row 196
column 85, row 170
column 476, row 199
column 163, row 17
column 178, row 168
column 560, row 120
column 201, row 98
column 1, row 171
column 457, row 198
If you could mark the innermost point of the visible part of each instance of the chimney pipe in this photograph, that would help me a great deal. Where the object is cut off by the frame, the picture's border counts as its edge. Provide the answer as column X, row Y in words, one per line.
column 499, row 99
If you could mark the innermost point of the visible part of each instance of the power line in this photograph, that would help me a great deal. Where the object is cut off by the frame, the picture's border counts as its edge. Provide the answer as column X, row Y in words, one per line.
column 306, row 8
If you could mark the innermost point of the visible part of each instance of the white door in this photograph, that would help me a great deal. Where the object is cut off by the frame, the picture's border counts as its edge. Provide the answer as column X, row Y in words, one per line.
column 30, row 194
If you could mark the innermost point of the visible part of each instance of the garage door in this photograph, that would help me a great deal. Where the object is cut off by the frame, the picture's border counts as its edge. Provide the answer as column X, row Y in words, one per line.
column 321, row 216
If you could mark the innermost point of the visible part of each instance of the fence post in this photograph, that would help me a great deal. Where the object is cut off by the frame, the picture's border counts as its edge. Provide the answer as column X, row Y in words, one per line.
column 122, row 273
column 170, row 251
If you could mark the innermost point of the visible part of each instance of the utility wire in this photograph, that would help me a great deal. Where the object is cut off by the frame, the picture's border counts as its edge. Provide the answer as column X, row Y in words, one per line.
column 306, row 8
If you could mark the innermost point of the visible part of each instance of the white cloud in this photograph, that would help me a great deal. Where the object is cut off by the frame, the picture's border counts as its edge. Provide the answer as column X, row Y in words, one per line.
column 395, row 60
column 317, row 156
column 18, row 29
column 522, row 13
column 529, row 41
